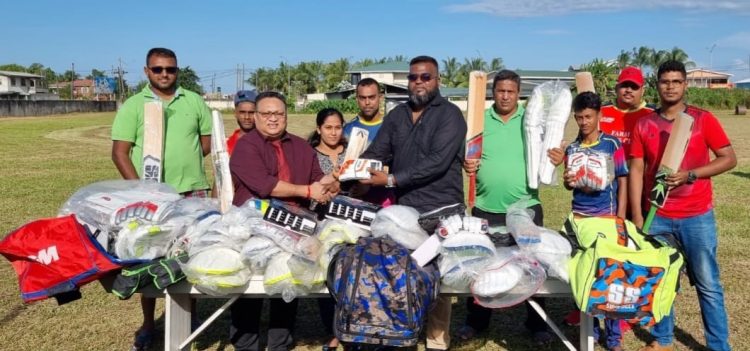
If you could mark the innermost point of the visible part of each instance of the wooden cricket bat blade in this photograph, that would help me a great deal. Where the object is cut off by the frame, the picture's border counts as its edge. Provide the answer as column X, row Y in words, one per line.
column 679, row 137
column 475, row 124
column 585, row 82
column 153, row 140
column 220, row 156
column 357, row 144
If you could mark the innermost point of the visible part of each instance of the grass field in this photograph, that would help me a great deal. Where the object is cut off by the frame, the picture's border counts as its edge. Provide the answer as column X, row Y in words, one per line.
column 45, row 159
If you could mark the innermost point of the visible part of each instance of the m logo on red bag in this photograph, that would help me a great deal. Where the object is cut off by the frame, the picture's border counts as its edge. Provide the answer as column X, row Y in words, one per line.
column 46, row 256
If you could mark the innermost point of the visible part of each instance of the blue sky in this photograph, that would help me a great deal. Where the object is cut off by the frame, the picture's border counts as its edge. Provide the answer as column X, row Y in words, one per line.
column 213, row 37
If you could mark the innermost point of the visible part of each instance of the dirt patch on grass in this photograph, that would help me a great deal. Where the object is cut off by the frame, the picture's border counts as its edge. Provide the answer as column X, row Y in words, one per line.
column 94, row 135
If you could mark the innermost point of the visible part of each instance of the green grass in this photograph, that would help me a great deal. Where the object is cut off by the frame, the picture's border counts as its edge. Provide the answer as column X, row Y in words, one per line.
column 45, row 159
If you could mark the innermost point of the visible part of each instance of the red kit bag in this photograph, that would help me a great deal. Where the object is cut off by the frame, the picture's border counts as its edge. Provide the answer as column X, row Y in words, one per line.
column 53, row 257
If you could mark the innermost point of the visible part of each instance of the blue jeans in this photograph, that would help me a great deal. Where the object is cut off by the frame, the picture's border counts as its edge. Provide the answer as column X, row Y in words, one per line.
column 697, row 235
column 612, row 331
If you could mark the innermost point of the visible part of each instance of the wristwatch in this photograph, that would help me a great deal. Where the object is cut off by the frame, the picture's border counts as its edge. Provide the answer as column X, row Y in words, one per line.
column 391, row 183
column 691, row 177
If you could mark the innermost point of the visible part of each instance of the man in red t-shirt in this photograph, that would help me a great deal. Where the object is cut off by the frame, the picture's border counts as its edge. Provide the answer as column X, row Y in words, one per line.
column 688, row 212
column 618, row 119
column 244, row 112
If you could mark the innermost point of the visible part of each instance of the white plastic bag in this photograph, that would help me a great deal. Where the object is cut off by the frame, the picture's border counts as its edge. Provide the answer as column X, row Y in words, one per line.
column 401, row 224
column 508, row 279
column 257, row 252
column 217, row 270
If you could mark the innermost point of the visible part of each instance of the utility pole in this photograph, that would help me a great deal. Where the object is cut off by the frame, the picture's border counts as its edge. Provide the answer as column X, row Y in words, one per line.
column 213, row 84
column 243, row 76
column 711, row 56
column 72, row 79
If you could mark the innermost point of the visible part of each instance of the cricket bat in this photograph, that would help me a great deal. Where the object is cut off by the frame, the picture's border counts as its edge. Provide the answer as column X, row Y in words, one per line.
column 356, row 146
column 220, row 156
column 153, row 140
column 674, row 152
column 584, row 82
column 475, row 125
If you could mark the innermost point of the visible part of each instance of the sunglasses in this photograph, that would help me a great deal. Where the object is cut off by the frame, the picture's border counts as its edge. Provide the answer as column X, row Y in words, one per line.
column 425, row 77
column 159, row 69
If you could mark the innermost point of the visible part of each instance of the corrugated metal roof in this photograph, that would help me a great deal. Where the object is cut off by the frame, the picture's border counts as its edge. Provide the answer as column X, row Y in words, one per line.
column 20, row 74
column 392, row 66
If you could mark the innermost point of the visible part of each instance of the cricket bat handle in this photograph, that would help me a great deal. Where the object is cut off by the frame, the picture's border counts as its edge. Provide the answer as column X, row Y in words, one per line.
column 472, row 189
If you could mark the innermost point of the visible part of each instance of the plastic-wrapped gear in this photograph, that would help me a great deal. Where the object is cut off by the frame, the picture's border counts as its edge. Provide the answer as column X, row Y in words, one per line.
column 287, row 240
column 143, row 241
column 508, row 279
column 547, row 246
column 592, row 169
column 334, row 232
column 306, row 272
column 217, row 270
column 257, row 252
column 462, row 256
column 401, row 224
column 278, row 278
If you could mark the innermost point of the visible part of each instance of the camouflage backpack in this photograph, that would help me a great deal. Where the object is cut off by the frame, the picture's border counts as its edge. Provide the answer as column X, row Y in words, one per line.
column 382, row 295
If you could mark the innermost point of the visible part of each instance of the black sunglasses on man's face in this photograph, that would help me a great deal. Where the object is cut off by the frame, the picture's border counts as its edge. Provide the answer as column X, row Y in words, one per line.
column 159, row 69
column 425, row 77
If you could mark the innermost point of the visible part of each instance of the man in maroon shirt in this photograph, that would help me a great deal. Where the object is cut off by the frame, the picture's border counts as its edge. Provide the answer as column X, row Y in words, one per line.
column 268, row 163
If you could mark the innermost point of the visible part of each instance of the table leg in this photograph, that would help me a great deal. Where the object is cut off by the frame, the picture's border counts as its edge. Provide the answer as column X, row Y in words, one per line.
column 177, row 323
column 587, row 332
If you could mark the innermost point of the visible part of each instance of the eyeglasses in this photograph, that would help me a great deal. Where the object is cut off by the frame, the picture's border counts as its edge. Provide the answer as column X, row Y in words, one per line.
column 268, row 114
column 159, row 69
column 425, row 77
column 671, row 82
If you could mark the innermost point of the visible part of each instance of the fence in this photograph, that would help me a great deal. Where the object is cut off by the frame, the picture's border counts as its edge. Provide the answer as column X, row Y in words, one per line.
column 24, row 108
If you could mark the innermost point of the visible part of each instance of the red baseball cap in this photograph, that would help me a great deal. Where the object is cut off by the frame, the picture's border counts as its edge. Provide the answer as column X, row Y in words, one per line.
column 631, row 74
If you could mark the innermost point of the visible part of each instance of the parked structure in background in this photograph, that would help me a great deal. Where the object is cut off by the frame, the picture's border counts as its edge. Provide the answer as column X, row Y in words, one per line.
column 23, row 86
column 99, row 89
column 742, row 84
column 703, row 78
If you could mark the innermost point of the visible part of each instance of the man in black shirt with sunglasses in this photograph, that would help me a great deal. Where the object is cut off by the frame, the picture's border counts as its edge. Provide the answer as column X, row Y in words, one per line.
column 424, row 142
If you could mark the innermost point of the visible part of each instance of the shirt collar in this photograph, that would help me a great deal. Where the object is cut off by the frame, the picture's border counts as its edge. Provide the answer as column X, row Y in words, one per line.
column 147, row 92
column 518, row 114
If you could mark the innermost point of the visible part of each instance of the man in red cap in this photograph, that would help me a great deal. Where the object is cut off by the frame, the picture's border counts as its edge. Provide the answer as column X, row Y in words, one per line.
column 618, row 119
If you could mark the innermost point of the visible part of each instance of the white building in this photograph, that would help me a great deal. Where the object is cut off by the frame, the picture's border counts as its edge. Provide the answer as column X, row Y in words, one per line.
column 21, row 85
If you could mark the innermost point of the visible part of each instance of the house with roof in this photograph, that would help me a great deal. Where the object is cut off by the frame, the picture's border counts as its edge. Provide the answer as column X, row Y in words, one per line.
column 392, row 77
column 21, row 85
column 703, row 78
column 83, row 89
column 742, row 84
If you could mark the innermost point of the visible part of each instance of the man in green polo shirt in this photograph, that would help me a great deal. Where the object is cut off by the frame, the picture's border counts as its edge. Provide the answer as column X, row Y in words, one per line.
column 501, row 181
column 187, row 140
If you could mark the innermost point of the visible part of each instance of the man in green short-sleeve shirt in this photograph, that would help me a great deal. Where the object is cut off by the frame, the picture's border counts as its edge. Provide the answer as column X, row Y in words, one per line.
column 187, row 140
column 187, row 130
column 501, row 181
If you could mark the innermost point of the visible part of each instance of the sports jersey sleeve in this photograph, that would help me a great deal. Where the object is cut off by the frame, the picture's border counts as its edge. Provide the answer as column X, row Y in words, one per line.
column 714, row 134
column 125, row 126
column 636, row 141
column 621, row 165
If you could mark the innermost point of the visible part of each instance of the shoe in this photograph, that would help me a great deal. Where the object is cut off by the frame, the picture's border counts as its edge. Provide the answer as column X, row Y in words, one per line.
column 542, row 337
column 655, row 346
column 329, row 348
column 466, row 333
column 573, row 318
column 143, row 340
column 615, row 348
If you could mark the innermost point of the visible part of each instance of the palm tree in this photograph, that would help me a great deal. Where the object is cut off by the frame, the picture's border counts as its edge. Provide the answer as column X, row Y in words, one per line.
column 623, row 59
column 642, row 56
column 604, row 74
column 474, row 64
column 451, row 69
column 680, row 55
column 496, row 64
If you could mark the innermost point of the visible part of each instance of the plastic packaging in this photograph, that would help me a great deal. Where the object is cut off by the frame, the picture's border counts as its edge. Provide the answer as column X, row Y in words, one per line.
column 217, row 270
column 306, row 272
column 462, row 256
column 592, row 169
column 509, row 278
column 143, row 241
column 278, row 278
column 550, row 248
column 257, row 252
column 287, row 240
column 401, row 224
column 332, row 233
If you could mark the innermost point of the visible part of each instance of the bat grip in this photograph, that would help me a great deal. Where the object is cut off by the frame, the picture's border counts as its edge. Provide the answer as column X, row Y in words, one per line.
column 472, row 189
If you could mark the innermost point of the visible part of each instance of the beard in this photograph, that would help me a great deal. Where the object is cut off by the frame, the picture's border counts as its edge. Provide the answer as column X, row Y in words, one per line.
column 422, row 100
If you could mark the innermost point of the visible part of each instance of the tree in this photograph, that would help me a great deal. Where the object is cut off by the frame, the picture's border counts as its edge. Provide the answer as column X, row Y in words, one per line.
column 68, row 76
column 95, row 73
column 623, row 59
column 451, row 71
column 604, row 74
column 13, row 67
column 642, row 56
column 189, row 80
column 496, row 64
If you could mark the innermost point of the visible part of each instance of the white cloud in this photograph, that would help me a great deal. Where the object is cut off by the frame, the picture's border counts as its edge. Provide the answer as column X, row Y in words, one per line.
column 537, row 8
column 739, row 63
column 739, row 40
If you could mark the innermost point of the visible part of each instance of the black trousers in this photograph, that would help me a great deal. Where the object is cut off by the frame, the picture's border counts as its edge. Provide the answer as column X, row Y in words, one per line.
column 243, row 332
column 478, row 317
